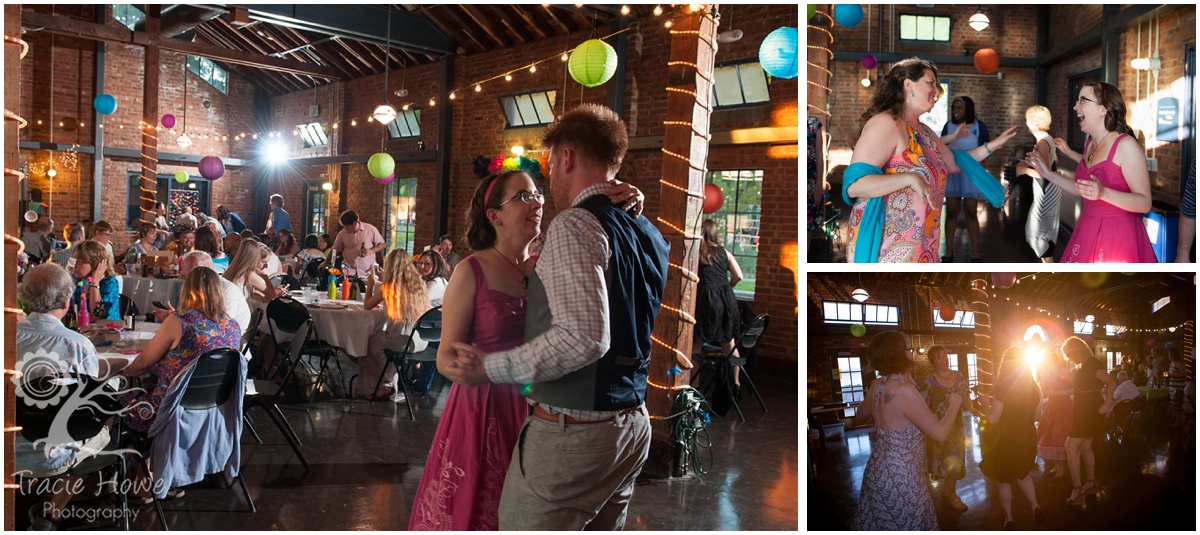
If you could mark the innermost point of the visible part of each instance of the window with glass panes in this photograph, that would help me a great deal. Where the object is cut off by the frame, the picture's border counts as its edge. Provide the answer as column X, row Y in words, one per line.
column 964, row 319
column 210, row 72
column 313, row 135
column 1114, row 359
column 406, row 124
column 924, row 28
column 847, row 381
column 128, row 14
column 737, row 221
column 741, row 83
column 847, row 313
column 193, row 193
column 1084, row 327
column 972, row 375
column 317, row 211
column 529, row 109
column 400, row 214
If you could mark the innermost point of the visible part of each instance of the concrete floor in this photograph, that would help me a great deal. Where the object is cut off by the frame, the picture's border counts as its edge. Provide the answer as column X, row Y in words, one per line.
column 366, row 461
column 1146, row 486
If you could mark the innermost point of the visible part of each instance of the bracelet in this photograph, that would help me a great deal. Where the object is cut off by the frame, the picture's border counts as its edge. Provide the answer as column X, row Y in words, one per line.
column 985, row 147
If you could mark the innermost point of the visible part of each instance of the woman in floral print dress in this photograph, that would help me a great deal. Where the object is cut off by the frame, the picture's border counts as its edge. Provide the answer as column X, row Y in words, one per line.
column 946, row 459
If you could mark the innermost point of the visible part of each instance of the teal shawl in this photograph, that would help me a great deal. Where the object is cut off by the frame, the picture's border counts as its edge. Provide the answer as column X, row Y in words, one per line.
column 870, row 231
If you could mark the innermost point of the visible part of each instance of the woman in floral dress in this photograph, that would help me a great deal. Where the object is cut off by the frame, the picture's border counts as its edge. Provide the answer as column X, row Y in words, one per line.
column 1056, row 417
column 946, row 459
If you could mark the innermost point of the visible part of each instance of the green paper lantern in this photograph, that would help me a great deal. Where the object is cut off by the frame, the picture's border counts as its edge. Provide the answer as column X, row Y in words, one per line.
column 181, row 176
column 593, row 63
column 812, row 10
column 381, row 164
column 858, row 330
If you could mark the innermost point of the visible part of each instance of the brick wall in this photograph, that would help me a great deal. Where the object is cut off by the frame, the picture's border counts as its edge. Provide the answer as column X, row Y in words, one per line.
column 1070, row 20
column 1011, row 32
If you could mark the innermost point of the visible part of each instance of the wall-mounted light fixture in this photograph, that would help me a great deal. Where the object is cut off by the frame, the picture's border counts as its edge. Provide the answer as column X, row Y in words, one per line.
column 979, row 22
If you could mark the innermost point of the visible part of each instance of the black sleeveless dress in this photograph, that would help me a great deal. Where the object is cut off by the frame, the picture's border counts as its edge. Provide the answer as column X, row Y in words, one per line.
column 717, row 319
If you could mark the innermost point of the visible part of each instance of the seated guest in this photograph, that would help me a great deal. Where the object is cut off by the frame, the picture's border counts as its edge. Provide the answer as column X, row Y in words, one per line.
column 199, row 326
column 94, row 268
column 102, row 232
column 208, row 242
column 215, row 226
column 446, row 248
column 1139, row 377
column 39, row 243
column 246, row 272
column 312, row 251
column 325, row 244
column 46, row 294
column 404, row 299
column 236, row 306
column 436, row 275
column 230, row 244
column 73, row 234
column 185, row 240
column 144, row 244
column 287, row 247
column 1125, row 388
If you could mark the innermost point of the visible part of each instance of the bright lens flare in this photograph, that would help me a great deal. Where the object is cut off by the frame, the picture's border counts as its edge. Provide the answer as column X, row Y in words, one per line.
column 1034, row 357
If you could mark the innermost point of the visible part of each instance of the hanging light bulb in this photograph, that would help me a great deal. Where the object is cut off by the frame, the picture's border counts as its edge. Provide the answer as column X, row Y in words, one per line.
column 657, row 10
column 564, row 57
column 979, row 22
column 507, row 77
column 860, row 295
column 353, row 122
column 370, row 119
column 668, row 24
column 51, row 173
column 404, row 107
column 432, row 102
column 385, row 113
column 451, row 95
column 866, row 82
column 625, row 10
column 478, row 88
column 184, row 141
column 533, row 68
column 1089, row 318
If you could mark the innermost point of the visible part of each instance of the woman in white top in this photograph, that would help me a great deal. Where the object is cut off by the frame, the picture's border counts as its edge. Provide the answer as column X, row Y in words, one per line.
column 245, row 270
column 435, row 273
column 1041, row 228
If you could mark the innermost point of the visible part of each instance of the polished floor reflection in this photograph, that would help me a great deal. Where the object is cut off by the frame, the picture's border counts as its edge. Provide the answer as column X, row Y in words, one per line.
column 366, row 461
column 1147, row 483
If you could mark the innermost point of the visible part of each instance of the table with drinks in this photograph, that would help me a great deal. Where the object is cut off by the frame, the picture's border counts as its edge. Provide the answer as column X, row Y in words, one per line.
column 119, row 343
column 341, row 322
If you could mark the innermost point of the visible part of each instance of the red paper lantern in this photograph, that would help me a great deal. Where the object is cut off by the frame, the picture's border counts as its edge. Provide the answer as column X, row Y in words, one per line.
column 986, row 60
column 713, row 198
column 947, row 313
column 1150, row 343
column 1004, row 280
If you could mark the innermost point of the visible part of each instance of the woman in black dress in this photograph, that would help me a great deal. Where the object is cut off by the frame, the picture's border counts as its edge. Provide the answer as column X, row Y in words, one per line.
column 1010, row 438
column 716, row 309
column 1088, row 412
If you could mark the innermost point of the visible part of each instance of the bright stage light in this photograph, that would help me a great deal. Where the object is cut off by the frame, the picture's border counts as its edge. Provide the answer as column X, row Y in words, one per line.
column 275, row 153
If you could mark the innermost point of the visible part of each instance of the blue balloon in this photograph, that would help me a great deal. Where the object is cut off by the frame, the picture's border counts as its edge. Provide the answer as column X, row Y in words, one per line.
column 105, row 104
column 779, row 53
column 848, row 15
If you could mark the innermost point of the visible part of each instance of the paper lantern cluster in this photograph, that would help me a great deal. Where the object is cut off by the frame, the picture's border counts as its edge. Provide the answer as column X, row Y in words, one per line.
column 592, row 63
column 779, row 53
column 986, row 60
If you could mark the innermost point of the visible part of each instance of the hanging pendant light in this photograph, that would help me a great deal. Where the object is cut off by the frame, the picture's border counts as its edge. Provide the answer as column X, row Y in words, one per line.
column 860, row 295
column 385, row 113
column 979, row 22
column 184, row 141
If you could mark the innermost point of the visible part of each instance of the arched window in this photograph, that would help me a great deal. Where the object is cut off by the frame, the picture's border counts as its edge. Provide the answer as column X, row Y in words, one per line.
column 1036, row 330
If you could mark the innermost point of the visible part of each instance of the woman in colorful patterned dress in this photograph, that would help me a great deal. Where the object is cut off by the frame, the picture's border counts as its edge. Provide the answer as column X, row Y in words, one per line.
column 1056, row 417
column 903, row 164
column 895, row 490
column 946, row 459
column 1113, row 179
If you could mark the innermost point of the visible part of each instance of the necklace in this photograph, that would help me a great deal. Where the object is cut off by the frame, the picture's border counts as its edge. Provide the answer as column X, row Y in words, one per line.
column 520, row 268
column 1097, row 146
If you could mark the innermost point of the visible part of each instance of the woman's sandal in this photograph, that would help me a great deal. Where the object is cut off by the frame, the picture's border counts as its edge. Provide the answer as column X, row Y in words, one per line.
column 1089, row 486
column 1076, row 495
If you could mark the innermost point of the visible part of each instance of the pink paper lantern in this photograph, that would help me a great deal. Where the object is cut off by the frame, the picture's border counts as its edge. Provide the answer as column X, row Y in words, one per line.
column 869, row 62
column 1150, row 343
column 211, row 167
column 1004, row 280
column 387, row 179
column 168, row 121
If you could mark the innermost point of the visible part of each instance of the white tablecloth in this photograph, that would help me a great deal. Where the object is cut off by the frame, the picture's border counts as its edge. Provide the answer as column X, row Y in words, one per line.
column 113, row 358
column 348, row 328
column 145, row 291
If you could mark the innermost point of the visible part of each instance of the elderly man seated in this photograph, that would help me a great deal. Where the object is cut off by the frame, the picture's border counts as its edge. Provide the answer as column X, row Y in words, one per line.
column 1125, row 388
column 236, row 306
column 46, row 293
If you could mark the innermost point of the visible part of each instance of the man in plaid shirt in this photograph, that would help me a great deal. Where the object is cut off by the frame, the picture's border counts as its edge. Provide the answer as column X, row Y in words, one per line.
column 593, row 298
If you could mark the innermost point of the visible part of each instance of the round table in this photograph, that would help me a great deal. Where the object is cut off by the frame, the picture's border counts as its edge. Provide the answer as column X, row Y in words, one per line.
column 1152, row 394
column 114, row 358
column 146, row 290
column 341, row 323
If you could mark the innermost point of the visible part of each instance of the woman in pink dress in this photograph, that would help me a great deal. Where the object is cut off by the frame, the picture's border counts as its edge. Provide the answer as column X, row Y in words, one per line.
column 485, row 306
column 1112, row 178
column 914, row 164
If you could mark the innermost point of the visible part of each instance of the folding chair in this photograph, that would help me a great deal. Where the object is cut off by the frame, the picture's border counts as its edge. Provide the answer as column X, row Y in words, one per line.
column 266, row 395
column 429, row 327
column 287, row 315
column 711, row 357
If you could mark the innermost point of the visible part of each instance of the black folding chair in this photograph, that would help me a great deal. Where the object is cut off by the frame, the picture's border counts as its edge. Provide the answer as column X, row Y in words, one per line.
column 210, row 386
column 429, row 327
column 712, row 357
column 267, row 394
column 287, row 315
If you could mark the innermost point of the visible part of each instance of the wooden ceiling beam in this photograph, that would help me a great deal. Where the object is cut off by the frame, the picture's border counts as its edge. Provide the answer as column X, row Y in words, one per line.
column 511, row 30
column 536, row 28
column 554, row 19
column 321, row 51
column 427, row 11
column 460, row 23
column 290, row 81
column 99, row 32
column 342, row 43
column 481, row 20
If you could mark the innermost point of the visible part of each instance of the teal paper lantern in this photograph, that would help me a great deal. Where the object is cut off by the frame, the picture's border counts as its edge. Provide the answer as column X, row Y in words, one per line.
column 105, row 104
column 181, row 176
column 592, row 63
column 779, row 53
column 848, row 15
column 381, row 165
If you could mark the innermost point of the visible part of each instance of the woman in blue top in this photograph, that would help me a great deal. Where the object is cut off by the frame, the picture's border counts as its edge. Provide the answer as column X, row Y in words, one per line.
column 964, row 132
column 94, row 268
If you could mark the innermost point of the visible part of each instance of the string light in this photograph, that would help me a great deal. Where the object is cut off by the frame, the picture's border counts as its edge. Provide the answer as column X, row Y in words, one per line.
column 478, row 88
column 533, row 68
column 689, row 192
column 19, row 41
column 681, row 90
column 688, row 274
column 819, row 110
column 658, row 10
column 680, row 231
column 810, row 82
column 668, row 24
column 822, row 48
column 452, row 95
column 507, row 77
column 564, row 57
column 625, row 10
column 21, row 122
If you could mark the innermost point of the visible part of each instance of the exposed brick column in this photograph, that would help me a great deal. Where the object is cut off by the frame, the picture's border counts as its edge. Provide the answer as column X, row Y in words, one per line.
column 12, row 101
column 149, row 182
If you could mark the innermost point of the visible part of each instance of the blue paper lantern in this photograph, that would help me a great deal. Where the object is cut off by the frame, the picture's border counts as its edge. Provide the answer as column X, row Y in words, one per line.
column 848, row 15
column 779, row 53
column 105, row 104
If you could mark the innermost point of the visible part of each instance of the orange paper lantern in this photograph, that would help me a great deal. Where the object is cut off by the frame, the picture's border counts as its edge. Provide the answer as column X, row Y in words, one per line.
column 987, row 61
column 947, row 313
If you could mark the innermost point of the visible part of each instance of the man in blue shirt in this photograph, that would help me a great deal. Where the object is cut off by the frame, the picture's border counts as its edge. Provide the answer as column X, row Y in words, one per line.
column 45, row 345
column 279, row 217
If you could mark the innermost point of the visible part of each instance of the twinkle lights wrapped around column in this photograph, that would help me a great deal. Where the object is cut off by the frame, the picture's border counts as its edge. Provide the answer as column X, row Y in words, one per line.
column 983, row 332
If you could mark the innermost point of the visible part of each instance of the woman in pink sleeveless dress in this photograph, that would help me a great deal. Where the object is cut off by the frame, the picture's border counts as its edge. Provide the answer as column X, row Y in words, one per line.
column 485, row 306
column 1112, row 178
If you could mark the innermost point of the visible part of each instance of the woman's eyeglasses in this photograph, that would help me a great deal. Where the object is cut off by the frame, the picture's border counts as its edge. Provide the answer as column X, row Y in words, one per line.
column 1082, row 99
column 525, row 197
column 425, row 264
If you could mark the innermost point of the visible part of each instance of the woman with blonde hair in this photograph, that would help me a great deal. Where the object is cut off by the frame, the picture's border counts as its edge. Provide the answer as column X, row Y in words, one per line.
column 245, row 270
column 1041, row 228
column 404, row 298
column 96, row 277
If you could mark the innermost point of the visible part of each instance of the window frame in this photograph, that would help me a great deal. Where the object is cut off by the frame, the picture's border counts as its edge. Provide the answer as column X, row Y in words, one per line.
column 972, row 359
column 390, row 233
column 839, row 389
column 412, row 121
column 550, row 94
column 122, row 22
column 200, row 63
column 1084, row 327
column 753, row 214
column 165, row 184
column 861, row 308
column 307, row 134
column 932, row 41
column 736, row 64
column 960, row 320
